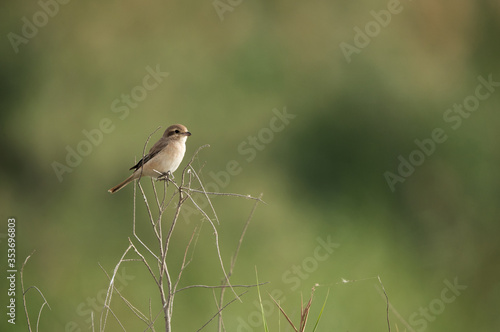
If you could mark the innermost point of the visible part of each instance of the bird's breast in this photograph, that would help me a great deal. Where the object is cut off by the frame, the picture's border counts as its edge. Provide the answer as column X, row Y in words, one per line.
column 170, row 158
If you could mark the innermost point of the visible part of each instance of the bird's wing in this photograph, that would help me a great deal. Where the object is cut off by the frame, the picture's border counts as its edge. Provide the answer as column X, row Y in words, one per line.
column 157, row 147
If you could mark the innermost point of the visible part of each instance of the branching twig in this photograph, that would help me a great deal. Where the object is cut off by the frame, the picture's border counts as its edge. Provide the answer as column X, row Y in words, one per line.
column 162, row 276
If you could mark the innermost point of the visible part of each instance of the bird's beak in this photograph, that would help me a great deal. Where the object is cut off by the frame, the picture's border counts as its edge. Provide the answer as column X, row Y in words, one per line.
column 187, row 133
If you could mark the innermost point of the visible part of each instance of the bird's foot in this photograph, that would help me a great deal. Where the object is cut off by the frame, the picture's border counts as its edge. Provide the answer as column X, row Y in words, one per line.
column 165, row 176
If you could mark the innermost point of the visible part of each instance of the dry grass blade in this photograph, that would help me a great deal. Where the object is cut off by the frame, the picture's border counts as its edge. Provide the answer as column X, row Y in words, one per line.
column 24, row 297
column 387, row 301
column 305, row 312
column 284, row 313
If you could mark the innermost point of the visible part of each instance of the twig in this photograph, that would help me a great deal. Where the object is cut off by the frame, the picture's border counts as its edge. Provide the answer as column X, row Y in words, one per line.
column 144, row 151
column 151, row 219
column 144, row 261
column 136, row 311
column 235, row 256
column 183, row 266
column 219, row 311
column 114, row 315
column 216, row 242
column 192, row 159
column 227, row 194
column 109, row 293
column 184, row 263
column 221, row 286
column 134, row 227
column 204, row 192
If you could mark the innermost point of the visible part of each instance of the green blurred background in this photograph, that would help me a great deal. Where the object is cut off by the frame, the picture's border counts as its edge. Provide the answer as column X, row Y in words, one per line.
column 230, row 64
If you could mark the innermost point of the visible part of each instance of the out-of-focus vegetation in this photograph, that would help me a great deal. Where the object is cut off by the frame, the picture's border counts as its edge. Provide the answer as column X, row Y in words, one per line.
column 353, row 115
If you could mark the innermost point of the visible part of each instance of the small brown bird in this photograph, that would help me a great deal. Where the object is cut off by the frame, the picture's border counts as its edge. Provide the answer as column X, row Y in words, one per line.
column 165, row 156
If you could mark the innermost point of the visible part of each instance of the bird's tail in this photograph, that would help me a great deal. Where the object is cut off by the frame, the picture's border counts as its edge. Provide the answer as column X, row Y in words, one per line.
column 123, row 184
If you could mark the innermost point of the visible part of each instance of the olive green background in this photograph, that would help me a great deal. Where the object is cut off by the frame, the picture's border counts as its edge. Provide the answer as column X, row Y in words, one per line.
column 351, row 119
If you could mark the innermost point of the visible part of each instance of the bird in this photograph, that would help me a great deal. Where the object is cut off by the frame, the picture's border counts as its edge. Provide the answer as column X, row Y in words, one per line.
column 164, row 156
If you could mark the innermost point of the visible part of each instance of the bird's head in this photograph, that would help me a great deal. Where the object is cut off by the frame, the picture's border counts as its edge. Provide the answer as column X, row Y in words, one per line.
column 177, row 131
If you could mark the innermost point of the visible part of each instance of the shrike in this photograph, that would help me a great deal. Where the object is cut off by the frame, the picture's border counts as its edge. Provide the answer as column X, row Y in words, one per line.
column 165, row 156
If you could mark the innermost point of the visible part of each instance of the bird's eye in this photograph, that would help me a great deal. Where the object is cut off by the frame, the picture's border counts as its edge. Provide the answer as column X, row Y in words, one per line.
column 177, row 131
